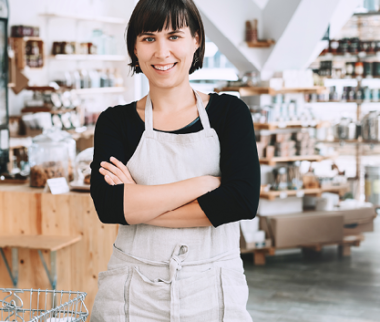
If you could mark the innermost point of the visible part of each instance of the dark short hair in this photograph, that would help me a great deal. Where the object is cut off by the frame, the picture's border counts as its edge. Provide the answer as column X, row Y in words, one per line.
column 156, row 15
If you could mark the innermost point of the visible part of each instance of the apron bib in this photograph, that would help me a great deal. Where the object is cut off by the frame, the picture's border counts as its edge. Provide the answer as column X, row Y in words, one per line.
column 174, row 274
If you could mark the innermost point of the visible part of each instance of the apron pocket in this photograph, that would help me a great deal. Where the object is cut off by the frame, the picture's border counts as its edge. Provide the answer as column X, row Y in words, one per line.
column 235, row 296
column 198, row 297
column 110, row 299
column 148, row 300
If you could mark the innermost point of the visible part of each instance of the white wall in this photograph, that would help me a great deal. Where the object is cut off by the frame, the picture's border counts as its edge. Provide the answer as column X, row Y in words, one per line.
column 26, row 12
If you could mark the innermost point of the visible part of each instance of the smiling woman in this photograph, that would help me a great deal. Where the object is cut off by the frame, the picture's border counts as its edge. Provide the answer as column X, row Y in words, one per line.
column 177, row 170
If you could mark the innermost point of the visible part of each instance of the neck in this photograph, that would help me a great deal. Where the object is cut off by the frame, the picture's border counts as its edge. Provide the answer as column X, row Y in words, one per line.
column 172, row 99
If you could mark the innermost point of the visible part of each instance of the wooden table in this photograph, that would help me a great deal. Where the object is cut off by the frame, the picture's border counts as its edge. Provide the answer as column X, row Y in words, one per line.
column 67, row 224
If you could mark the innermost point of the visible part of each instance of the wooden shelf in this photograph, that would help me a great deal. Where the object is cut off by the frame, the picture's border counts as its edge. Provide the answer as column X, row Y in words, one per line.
column 250, row 90
column 40, row 242
column 282, row 125
column 99, row 90
column 82, row 91
column 112, row 20
column 90, row 57
column 275, row 160
column 341, row 189
column 271, row 195
column 261, row 44
column 343, row 142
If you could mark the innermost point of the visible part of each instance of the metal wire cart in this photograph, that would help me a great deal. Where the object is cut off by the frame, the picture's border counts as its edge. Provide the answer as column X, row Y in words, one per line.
column 29, row 305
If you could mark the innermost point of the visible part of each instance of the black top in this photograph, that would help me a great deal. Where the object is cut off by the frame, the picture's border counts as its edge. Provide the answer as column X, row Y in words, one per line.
column 119, row 130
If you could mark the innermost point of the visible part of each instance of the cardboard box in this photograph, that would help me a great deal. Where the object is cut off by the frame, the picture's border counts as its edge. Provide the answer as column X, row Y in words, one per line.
column 295, row 230
column 357, row 229
column 358, row 215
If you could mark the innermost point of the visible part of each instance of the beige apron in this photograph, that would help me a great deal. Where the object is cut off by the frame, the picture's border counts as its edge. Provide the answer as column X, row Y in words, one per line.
column 166, row 274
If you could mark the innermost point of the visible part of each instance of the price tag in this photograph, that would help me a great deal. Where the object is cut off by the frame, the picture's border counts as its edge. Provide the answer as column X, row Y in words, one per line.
column 300, row 193
column 57, row 186
column 283, row 195
column 281, row 125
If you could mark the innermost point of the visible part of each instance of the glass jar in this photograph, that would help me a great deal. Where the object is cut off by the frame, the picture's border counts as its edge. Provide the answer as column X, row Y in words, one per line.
column 48, row 158
column 82, row 167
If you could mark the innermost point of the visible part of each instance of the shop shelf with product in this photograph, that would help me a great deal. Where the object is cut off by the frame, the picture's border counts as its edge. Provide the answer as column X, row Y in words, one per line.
column 252, row 90
column 273, row 161
column 29, row 52
column 89, row 57
column 102, row 19
column 272, row 194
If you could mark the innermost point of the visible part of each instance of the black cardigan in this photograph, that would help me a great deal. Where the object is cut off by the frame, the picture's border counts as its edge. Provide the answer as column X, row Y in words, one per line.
column 118, row 132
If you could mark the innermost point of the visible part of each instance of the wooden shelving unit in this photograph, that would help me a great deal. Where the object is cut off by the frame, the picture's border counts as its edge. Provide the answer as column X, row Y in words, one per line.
column 271, row 194
column 19, row 45
column 89, row 57
column 274, row 160
column 250, row 90
column 283, row 125
column 112, row 20
column 99, row 90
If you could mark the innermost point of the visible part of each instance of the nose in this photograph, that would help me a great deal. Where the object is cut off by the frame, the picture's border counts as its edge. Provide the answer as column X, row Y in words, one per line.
column 162, row 49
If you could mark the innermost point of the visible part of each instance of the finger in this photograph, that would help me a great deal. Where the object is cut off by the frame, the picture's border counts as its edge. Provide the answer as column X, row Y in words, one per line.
column 109, row 180
column 114, row 178
column 114, row 170
column 122, row 167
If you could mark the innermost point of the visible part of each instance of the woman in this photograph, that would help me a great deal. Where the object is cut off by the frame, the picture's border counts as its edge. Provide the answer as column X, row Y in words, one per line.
column 177, row 170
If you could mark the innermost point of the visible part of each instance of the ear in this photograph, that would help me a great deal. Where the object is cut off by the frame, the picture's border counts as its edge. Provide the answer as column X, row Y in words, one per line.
column 196, row 40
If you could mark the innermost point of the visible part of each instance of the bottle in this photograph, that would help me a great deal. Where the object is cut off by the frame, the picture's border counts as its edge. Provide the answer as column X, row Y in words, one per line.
column 84, row 80
column 111, row 78
column 119, row 81
column 103, row 79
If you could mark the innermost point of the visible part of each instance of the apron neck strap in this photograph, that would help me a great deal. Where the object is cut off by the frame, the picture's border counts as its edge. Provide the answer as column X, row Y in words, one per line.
column 201, row 110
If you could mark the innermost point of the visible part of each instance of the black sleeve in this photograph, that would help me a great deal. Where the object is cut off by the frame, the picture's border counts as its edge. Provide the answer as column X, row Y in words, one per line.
column 238, row 196
column 108, row 200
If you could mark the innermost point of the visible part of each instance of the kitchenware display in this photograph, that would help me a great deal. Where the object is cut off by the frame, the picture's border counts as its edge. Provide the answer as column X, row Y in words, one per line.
column 370, row 126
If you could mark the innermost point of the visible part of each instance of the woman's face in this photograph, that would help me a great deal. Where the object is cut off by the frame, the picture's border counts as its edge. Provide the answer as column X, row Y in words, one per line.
column 165, row 57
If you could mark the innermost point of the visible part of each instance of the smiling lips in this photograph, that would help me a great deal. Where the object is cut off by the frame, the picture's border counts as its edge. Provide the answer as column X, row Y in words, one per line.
column 163, row 67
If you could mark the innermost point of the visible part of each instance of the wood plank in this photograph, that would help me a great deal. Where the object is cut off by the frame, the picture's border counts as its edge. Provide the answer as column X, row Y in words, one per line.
column 282, row 125
column 274, row 160
column 38, row 242
column 261, row 44
column 256, row 90
column 271, row 195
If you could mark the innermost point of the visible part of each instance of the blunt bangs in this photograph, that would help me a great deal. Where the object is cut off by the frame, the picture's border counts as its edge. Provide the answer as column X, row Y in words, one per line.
column 158, row 15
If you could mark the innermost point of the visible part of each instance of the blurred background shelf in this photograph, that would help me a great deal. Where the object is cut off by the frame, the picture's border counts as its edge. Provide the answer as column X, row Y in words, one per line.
column 273, row 161
column 112, row 20
column 250, row 90
column 99, row 90
column 282, row 125
column 90, row 57
column 271, row 194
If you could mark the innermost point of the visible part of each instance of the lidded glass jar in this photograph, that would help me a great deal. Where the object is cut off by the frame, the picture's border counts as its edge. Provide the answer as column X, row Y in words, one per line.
column 48, row 158
column 66, row 138
column 82, row 167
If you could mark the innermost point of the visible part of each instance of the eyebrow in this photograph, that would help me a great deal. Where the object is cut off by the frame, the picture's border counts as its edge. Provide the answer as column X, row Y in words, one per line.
column 152, row 34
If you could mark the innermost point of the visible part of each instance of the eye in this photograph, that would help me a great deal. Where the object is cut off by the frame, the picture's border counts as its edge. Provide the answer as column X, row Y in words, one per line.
column 174, row 37
column 148, row 39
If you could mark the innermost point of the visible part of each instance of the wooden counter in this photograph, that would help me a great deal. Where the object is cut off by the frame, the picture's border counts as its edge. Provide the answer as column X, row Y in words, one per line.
column 30, row 211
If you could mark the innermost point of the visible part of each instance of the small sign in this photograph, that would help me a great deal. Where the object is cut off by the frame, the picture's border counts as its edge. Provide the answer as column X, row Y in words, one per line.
column 300, row 193
column 283, row 195
column 58, row 186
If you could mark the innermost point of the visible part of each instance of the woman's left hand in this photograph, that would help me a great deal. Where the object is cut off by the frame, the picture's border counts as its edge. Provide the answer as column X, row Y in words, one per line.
column 116, row 173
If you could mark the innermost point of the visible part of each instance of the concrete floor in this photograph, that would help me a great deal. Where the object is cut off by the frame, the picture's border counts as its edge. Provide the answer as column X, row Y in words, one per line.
column 291, row 288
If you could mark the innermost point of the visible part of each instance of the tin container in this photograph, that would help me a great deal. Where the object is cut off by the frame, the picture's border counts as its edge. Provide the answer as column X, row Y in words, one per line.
column 372, row 184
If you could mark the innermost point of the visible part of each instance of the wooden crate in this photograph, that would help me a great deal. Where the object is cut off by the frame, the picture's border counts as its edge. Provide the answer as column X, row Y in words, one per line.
column 19, row 46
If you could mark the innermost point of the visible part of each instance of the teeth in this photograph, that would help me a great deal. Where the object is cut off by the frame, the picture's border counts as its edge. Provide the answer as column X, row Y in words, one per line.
column 163, row 67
